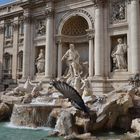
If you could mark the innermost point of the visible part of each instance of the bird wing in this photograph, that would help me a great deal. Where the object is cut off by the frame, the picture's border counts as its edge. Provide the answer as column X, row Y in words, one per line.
column 70, row 93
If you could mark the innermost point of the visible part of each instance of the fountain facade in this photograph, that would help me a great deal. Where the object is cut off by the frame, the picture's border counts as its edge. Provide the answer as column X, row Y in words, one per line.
column 105, row 38
column 79, row 43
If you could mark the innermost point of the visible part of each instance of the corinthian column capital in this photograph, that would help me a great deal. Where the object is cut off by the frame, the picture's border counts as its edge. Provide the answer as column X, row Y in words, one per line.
column 49, row 11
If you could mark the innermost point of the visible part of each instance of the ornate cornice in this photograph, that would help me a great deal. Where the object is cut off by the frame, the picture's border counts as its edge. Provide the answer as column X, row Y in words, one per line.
column 72, row 39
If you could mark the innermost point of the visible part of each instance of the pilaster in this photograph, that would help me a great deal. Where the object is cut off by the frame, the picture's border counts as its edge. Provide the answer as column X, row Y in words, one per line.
column 99, row 40
column 15, row 48
column 49, row 58
column 1, row 47
column 27, row 43
column 59, row 64
column 90, row 33
column 135, row 35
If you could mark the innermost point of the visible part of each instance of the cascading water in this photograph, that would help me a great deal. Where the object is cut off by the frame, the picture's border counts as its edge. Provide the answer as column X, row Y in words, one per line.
column 31, row 115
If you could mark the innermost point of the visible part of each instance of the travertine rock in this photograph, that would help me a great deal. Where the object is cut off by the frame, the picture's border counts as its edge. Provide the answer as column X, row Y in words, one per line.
column 5, row 111
column 80, row 137
column 65, row 123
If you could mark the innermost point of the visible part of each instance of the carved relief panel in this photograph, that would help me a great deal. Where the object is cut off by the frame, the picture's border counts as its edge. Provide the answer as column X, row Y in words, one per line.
column 117, row 11
column 40, row 27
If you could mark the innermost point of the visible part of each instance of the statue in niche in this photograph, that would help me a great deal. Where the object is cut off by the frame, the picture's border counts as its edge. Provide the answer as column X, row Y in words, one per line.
column 40, row 62
column 41, row 29
column 72, row 59
column 119, row 56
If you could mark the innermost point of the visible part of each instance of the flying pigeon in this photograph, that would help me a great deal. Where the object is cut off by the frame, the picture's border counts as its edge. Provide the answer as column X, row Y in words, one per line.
column 70, row 93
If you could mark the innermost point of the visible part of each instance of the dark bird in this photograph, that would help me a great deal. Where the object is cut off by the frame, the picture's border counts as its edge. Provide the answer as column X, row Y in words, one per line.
column 70, row 93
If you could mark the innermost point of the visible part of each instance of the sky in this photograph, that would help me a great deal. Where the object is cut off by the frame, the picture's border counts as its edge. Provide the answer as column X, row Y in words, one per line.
column 5, row 1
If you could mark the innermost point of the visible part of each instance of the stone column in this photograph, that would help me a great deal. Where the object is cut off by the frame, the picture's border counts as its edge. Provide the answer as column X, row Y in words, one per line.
column 32, row 51
column 27, row 43
column 91, row 52
column 135, row 35
column 59, row 74
column 15, row 48
column 1, row 47
column 99, row 41
column 49, row 58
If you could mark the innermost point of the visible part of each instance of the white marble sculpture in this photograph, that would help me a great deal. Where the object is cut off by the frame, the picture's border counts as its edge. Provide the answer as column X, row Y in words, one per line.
column 27, row 87
column 72, row 59
column 86, row 88
column 41, row 62
column 77, row 84
column 119, row 55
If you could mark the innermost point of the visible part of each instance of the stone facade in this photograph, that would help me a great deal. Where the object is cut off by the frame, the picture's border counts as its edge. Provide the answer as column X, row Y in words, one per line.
column 93, row 26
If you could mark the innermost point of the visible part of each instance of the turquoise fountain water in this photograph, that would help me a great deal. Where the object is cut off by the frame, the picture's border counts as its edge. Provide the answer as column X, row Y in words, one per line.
column 10, row 132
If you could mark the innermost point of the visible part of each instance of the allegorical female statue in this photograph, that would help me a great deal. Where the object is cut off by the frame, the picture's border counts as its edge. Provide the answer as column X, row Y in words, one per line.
column 119, row 55
column 40, row 62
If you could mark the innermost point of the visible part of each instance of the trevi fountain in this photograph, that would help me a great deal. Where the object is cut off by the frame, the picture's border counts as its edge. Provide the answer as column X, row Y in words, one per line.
column 60, row 106
column 70, row 69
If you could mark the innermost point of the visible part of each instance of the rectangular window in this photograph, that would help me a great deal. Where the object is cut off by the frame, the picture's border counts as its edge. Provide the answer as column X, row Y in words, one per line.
column 8, row 30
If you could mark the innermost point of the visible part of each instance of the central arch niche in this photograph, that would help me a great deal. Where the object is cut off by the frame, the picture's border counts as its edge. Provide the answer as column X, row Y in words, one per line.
column 74, row 31
column 75, row 26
